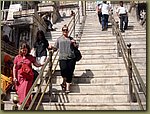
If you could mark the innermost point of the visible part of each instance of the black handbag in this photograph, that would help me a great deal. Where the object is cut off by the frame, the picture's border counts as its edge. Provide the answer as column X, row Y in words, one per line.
column 77, row 53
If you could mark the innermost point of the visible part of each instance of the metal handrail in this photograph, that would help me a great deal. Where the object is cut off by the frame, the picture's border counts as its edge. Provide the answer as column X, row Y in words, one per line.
column 135, row 81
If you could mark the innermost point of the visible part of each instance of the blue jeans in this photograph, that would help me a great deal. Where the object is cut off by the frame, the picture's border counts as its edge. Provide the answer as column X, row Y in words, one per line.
column 123, row 21
column 105, row 21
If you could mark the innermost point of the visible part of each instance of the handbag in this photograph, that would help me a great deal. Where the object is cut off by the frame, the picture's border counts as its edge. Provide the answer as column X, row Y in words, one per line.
column 25, row 71
column 77, row 53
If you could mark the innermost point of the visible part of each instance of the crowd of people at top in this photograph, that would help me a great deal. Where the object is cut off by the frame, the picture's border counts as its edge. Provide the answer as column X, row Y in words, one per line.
column 103, row 9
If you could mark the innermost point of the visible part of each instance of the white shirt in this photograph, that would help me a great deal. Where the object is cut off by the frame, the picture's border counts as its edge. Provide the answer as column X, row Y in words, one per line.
column 105, row 8
column 121, row 10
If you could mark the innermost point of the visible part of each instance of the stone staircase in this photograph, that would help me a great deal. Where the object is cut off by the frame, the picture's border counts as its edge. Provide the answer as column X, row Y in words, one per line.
column 100, row 79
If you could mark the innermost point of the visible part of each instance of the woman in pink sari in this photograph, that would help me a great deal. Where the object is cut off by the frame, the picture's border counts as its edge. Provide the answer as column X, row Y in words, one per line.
column 23, row 82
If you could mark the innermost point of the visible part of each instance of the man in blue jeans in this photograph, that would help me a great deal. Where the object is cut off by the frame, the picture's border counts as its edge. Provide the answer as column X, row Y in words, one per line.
column 123, row 15
column 105, row 15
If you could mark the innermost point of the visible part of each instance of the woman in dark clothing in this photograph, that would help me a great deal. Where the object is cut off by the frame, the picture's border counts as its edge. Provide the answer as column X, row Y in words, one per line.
column 40, row 46
column 66, row 57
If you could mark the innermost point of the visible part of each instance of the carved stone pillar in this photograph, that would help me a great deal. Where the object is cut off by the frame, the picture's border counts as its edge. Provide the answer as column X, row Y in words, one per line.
column 31, row 34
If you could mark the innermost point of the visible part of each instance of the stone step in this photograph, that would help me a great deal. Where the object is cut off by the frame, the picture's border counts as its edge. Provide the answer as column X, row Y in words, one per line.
column 87, row 89
column 100, row 67
column 92, row 88
column 101, row 61
column 62, row 97
column 91, row 33
column 95, row 42
column 110, row 47
column 89, row 106
column 103, row 94
column 108, row 37
column 109, row 55
column 109, row 61
column 140, row 62
column 138, row 30
column 101, row 72
column 97, row 62
column 101, row 56
column 112, row 40
column 94, row 80
column 83, row 106
column 109, row 51
column 135, row 35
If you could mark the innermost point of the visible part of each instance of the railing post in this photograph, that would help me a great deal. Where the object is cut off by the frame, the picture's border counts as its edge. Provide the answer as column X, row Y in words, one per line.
column 117, row 24
column 85, row 7
column 112, row 22
column 118, row 46
column 2, row 103
column 78, row 15
column 50, row 74
column 129, row 70
column 74, row 25
column 132, row 95
column 113, row 28
column 118, row 41
column 15, row 101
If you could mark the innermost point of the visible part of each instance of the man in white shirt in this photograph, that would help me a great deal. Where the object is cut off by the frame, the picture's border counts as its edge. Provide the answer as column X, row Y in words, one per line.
column 123, row 15
column 105, row 15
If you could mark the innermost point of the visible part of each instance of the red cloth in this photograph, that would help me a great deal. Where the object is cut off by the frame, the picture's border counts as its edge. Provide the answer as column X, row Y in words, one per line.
column 7, row 58
column 23, row 86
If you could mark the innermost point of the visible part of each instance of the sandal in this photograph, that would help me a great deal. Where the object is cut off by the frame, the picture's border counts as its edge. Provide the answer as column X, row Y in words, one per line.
column 63, row 86
column 67, row 91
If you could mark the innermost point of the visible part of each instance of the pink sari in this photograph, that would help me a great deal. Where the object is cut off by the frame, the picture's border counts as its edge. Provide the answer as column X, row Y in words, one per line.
column 23, row 85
